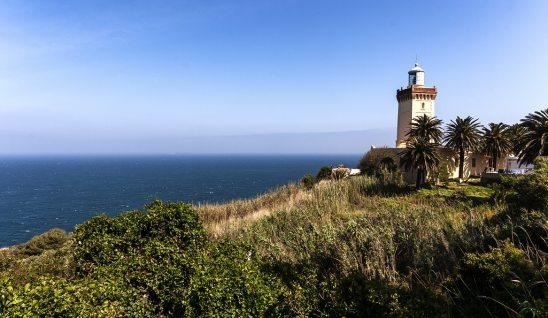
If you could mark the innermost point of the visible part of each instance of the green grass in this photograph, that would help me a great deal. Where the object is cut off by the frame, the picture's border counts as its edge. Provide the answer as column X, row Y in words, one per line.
column 471, row 191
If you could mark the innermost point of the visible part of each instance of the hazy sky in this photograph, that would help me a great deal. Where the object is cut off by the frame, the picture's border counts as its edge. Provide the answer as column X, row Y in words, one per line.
column 79, row 73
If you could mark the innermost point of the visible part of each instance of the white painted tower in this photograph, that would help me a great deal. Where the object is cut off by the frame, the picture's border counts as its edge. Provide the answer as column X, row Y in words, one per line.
column 415, row 100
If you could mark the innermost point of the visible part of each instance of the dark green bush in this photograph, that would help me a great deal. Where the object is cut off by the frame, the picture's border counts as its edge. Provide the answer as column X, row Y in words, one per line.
column 77, row 298
column 308, row 181
column 356, row 296
column 325, row 173
column 165, row 255
column 151, row 251
column 103, row 241
column 372, row 162
column 501, row 282
column 528, row 191
column 228, row 279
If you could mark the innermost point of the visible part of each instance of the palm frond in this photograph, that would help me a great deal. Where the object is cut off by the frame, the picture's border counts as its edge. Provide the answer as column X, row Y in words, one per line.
column 534, row 141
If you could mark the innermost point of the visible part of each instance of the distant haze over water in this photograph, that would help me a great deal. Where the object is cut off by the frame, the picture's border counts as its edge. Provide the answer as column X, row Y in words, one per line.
column 295, row 143
column 40, row 193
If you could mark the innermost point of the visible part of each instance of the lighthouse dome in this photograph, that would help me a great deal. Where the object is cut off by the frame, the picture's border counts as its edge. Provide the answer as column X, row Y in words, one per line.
column 416, row 75
column 416, row 69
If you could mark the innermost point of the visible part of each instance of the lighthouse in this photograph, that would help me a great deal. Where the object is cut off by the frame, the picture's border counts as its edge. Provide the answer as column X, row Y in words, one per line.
column 413, row 101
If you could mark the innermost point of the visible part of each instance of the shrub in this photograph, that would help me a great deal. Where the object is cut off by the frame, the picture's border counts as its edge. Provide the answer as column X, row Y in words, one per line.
column 324, row 173
column 501, row 282
column 308, row 181
column 356, row 296
column 526, row 191
column 371, row 162
column 150, row 251
column 81, row 298
column 228, row 279
column 52, row 239
column 165, row 255
column 532, row 189
column 103, row 241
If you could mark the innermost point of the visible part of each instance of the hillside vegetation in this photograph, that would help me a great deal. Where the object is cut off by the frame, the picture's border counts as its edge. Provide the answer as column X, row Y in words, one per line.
column 357, row 247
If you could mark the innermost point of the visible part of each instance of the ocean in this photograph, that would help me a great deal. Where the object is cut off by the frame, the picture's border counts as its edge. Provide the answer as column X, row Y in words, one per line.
column 40, row 193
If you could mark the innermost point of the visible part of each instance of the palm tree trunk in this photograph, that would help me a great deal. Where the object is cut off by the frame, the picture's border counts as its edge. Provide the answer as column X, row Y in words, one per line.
column 419, row 178
column 495, row 160
column 461, row 163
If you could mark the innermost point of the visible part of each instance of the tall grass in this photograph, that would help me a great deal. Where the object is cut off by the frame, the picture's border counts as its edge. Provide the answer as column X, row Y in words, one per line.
column 380, row 230
column 361, row 228
column 220, row 218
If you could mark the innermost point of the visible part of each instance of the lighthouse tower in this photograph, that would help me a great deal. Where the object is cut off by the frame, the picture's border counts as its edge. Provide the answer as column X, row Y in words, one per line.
column 413, row 101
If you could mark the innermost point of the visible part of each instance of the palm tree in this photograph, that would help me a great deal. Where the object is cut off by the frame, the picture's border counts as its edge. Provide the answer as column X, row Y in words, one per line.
column 462, row 135
column 426, row 127
column 516, row 133
column 534, row 142
column 496, row 141
column 422, row 155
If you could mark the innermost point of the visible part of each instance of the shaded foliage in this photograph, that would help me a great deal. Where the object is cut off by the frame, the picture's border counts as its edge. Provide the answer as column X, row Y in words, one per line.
column 462, row 136
column 373, row 162
column 308, row 181
column 427, row 128
column 420, row 155
column 324, row 173
column 534, row 141
column 496, row 142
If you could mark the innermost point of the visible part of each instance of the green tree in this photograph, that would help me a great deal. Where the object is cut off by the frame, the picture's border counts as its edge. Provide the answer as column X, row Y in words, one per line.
column 426, row 127
column 388, row 164
column 422, row 156
column 496, row 141
column 373, row 160
column 534, row 142
column 462, row 135
column 516, row 133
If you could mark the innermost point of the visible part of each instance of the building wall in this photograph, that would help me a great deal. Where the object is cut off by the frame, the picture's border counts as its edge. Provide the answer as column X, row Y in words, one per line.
column 405, row 115
column 410, row 108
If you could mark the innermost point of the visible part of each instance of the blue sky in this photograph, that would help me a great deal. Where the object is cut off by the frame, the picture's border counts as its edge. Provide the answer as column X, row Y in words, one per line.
column 75, row 74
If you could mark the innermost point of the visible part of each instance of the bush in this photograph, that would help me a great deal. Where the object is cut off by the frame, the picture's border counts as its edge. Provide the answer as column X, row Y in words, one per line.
column 81, row 298
column 501, row 282
column 165, row 255
column 228, row 279
column 356, row 296
column 103, row 241
column 372, row 162
column 52, row 239
column 308, row 181
column 324, row 173
column 528, row 191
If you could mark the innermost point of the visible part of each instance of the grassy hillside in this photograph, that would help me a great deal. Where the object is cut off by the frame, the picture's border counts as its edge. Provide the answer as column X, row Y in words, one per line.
column 353, row 247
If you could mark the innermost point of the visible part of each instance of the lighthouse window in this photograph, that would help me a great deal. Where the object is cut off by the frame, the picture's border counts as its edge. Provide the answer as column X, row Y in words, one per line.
column 422, row 105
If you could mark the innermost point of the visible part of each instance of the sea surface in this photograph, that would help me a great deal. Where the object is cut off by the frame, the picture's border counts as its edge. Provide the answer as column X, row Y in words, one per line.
column 40, row 193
